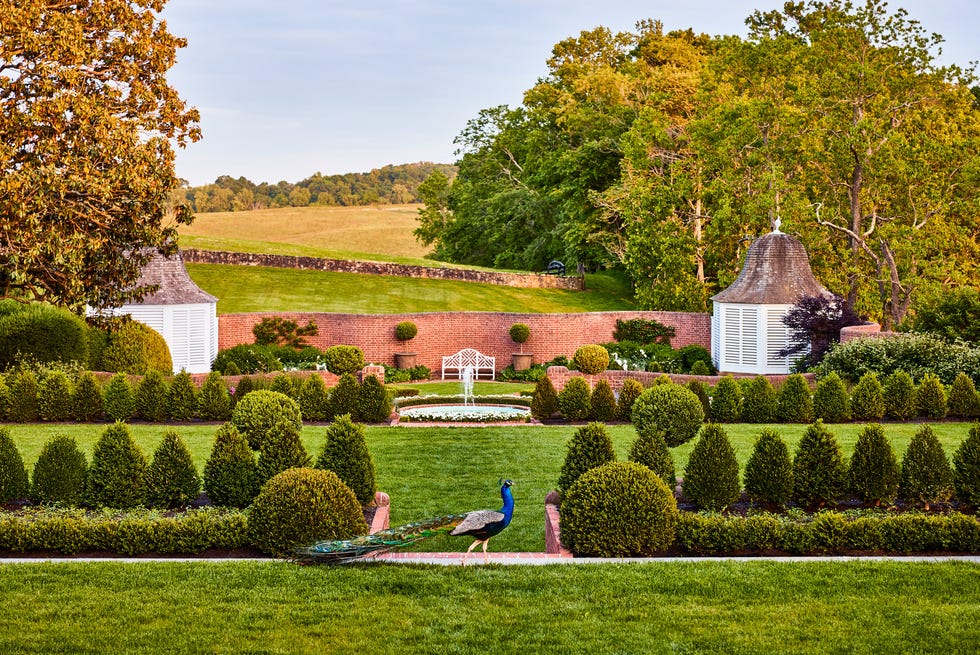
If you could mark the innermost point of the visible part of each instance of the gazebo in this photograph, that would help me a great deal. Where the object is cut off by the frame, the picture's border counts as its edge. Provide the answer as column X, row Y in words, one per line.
column 184, row 314
column 747, row 330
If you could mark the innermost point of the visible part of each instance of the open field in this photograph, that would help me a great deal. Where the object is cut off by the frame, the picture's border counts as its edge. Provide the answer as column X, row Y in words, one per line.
column 702, row 607
column 259, row 289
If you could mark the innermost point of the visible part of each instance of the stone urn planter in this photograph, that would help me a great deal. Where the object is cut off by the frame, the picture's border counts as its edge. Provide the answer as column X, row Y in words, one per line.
column 405, row 361
column 523, row 361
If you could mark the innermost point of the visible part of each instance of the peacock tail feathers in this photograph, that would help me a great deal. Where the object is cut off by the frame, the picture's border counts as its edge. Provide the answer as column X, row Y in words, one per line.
column 344, row 551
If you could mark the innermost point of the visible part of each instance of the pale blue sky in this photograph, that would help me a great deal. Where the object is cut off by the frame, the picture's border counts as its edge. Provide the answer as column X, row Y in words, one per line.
column 293, row 87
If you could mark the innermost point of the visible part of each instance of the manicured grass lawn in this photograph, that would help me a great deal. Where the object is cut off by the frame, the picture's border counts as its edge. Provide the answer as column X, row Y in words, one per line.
column 261, row 289
column 702, row 607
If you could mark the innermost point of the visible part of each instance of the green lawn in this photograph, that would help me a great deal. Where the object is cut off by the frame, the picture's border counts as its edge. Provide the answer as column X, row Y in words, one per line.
column 702, row 607
column 260, row 289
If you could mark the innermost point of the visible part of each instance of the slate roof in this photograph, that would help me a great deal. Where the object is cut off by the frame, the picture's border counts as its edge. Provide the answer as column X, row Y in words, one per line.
column 776, row 272
column 176, row 286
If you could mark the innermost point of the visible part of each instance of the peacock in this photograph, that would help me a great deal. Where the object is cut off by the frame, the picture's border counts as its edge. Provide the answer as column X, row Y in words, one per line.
column 480, row 524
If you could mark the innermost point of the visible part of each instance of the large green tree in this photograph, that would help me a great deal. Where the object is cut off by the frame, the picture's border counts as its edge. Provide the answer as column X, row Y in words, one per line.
column 88, row 125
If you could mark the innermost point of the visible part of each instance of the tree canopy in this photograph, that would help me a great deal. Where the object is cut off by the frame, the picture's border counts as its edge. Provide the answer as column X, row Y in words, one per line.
column 88, row 125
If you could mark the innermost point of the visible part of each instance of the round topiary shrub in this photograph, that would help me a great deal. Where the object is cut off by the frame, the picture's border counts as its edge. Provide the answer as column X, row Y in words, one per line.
column 117, row 476
column 769, row 471
column 13, row 474
column 256, row 414
column 711, row 477
column 574, row 400
column 544, row 402
column 281, row 449
column 964, row 402
column 868, row 399
column 301, row 506
column 671, row 408
column 406, row 331
column 831, row 402
column 819, row 473
column 603, row 402
column 631, row 390
column 900, row 396
column 373, row 403
column 344, row 359
column 930, row 397
column 873, row 473
column 650, row 449
column 229, row 474
column 118, row 398
column 45, row 333
column 343, row 396
column 54, row 396
column 86, row 400
column 314, row 399
column 519, row 334
column 171, row 479
column 345, row 453
column 214, row 401
column 966, row 468
column 926, row 476
column 726, row 401
column 136, row 348
column 150, row 397
column 618, row 510
column 795, row 404
column 59, row 473
column 591, row 359
column 759, row 403
column 589, row 447
column 182, row 397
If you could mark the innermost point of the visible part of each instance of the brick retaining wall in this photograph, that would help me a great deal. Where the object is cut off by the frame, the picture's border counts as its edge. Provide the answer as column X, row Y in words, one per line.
column 524, row 280
column 445, row 333
column 863, row 331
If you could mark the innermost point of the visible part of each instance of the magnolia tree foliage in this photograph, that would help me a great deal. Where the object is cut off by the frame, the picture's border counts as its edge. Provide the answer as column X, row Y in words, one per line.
column 88, row 125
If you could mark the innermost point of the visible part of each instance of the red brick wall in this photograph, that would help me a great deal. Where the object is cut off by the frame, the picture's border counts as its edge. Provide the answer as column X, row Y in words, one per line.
column 446, row 333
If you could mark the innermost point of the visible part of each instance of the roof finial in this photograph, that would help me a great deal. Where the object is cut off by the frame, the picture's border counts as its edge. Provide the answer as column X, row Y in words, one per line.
column 775, row 225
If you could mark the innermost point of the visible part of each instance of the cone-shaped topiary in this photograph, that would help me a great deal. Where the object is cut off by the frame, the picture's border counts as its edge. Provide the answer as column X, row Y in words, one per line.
column 229, row 474
column 86, row 400
column 171, row 479
column 214, row 402
column 831, row 402
column 700, row 367
column 574, row 400
column 59, row 473
column 650, row 449
column 819, row 472
column 301, row 506
column 591, row 360
column 259, row 411
column 964, row 402
column 283, row 384
column 117, row 477
column 926, row 475
column 759, row 402
column 769, row 471
column 246, row 385
column 700, row 389
column 150, row 397
column 182, row 397
column 930, row 397
column 900, row 396
column 711, row 477
column 54, row 396
column 118, row 398
column 868, row 399
column 22, row 384
column 673, row 409
column 631, row 390
column 345, row 453
column 231, row 368
column 4, row 399
column 314, row 399
column 281, row 449
column 589, row 447
column 873, row 473
column 603, row 402
column 343, row 396
column 373, row 403
column 617, row 510
column 544, row 403
column 966, row 468
column 794, row 400
column 13, row 474
column 726, row 401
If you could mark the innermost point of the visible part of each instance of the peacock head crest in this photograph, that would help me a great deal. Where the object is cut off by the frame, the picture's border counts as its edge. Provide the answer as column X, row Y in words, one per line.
column 505, row 483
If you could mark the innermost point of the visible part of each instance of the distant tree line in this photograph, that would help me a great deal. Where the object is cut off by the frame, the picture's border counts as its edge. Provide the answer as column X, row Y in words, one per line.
column 386, row 185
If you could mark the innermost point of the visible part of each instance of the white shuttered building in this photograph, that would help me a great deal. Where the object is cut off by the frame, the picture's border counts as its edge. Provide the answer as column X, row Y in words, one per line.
column 747, row 330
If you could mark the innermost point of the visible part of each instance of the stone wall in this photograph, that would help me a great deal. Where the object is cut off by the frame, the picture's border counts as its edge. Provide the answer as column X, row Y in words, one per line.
column 445, row 333
column 524, row 280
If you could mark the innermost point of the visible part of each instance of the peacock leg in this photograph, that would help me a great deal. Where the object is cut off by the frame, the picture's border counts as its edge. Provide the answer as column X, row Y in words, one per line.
column 486, row 555
column 468, row 550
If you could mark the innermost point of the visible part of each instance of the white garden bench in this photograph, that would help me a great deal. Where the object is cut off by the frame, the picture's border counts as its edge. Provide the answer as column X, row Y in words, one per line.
column 482, row 365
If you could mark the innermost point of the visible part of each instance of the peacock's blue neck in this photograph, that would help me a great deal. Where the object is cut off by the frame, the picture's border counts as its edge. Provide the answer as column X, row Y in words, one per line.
column 508, row 508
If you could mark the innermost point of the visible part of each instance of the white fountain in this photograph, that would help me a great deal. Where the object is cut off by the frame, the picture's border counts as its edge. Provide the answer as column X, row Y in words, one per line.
column 466, row 375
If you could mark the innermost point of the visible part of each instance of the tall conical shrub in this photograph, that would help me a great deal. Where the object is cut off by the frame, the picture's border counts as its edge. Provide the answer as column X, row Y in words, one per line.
column 150, row 397
column 966, row 468
column 182, row 397
column 819, row 472
column 650, row 449
column 632, row 388
column 283, row 383
column 930, row 397
column 345, row 452
column 59, row 473
column 23, row 387
column 726, row 402
column 900, row 396
column 868, row 399
column 171, row 479
column 711, row 478
column 229, row 474
column 603, row 402
column 759, row 401
column 343, row 396
column 926, row 475
column 117, row 476
column 769, row 471
column 574, row 400
column 314, row 399
column 589, row 447
column 214, row 401
column 282, row 449
column 544, row 402
column 4, row 399
column 87, row 398
column 794, row 400
column 118, row 398
column 373, row 404
column 13, row 474
column 964, row 402
column 700, row 389
column 831, row 402
column 54, row 396
column 873, row 473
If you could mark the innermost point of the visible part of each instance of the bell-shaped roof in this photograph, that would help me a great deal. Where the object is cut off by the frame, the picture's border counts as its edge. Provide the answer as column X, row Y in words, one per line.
column 176, row 286
column 776, row 272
